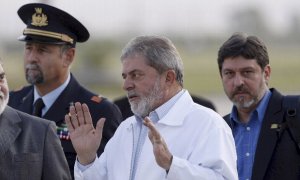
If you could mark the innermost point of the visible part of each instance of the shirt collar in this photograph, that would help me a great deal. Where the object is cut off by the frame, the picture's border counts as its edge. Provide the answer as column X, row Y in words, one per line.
column 260, row 109
column 165, row 108
column 51, row 96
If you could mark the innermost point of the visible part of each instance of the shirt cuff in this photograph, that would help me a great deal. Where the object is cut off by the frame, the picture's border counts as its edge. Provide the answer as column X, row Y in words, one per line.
column 81, row 167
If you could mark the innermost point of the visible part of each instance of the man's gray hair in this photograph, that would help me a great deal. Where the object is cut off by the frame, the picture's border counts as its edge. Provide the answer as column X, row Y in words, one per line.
column 159, row 52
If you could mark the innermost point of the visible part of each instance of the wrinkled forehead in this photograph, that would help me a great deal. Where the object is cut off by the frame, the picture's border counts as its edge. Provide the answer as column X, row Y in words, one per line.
column 134, row 62
column 136, row 68
column 238, row 63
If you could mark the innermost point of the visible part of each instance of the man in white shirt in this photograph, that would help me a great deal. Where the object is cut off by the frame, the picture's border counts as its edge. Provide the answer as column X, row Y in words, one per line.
column 186, row 140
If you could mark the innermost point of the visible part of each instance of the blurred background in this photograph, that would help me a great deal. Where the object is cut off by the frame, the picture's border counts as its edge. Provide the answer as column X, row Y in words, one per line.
column 196, row 27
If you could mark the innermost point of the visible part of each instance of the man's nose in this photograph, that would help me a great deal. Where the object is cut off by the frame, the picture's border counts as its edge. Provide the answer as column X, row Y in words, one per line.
column 238, row 80
column 31, row 56
column 128, row 84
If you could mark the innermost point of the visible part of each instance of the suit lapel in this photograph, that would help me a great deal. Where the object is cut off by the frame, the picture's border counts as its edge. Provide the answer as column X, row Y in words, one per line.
column 27, row 103
column 10, row 129
column 268, row 136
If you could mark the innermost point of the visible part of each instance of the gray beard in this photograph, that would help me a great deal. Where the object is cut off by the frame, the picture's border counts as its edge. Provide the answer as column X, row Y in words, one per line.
column 146, row 104
column 3, row 104
column 242, row 104
column 34, row 79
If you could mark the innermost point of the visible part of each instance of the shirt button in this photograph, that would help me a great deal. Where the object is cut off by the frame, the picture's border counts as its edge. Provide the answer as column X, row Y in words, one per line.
column 247, row 154
column 248, row 128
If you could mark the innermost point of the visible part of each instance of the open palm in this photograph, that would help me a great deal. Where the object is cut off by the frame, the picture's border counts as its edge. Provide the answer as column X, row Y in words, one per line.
column 85, row 138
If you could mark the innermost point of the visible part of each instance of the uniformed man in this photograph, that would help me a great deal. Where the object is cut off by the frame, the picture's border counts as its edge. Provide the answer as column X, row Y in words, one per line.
column 50, row 38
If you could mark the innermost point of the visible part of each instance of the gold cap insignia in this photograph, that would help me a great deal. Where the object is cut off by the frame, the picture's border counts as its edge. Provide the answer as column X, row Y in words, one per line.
column 38, row 18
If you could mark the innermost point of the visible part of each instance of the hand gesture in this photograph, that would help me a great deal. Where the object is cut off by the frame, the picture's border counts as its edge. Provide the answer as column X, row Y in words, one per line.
column 85, row 138
column 161, row 152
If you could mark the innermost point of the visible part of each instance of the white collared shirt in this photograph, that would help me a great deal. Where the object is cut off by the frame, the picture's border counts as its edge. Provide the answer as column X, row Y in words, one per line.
column 199, row 139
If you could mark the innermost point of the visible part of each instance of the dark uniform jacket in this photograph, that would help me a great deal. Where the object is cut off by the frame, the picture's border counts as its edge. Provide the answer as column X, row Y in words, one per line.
column 74, row 92
column 30, row 148
column 277, row 156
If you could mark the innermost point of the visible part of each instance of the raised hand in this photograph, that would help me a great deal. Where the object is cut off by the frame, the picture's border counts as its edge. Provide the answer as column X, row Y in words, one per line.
column 85, row 138
column 161, row 152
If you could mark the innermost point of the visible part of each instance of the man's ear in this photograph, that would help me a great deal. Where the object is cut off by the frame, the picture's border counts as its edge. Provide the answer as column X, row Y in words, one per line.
column 267, row 73
column 69, row 55
column 170, row 76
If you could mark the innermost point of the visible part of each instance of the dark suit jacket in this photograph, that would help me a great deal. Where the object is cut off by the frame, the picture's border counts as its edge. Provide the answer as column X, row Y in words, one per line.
column 29, row 148
column 277, row 156
column 124, row 105
column 74, row 92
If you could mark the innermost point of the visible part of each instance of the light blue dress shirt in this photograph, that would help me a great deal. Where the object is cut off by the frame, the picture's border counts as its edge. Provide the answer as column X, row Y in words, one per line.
column 246, row 137
column 50, row 98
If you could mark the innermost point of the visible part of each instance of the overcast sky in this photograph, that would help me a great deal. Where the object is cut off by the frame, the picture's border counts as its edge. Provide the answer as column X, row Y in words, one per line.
column 153, row 16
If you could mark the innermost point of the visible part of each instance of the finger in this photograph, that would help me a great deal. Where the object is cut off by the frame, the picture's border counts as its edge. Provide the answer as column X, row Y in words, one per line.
column 73, row 117
column 99, row 127
column 86, row 114
column 69, row 123
column 79, row 113
column 154, row 135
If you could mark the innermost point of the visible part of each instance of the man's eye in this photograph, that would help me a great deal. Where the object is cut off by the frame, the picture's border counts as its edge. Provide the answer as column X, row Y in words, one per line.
column 247, row 73
column 42, row 50
column 135, row 76
column 228, row 73
column 28, row 47
column 2, row 76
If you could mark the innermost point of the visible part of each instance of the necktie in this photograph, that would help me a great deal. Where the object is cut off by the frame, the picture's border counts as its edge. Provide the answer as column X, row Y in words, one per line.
column 38, row 106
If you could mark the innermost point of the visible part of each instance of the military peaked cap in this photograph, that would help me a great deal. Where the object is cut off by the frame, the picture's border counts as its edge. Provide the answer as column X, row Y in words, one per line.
column 50, row 25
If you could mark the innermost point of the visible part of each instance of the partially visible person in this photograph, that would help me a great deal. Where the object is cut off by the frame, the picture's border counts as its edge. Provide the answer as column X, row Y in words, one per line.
column 186, row 140
column 204, row 102
column 29, row 147
column 50, row 40
column 265, row 147
column 124, row 105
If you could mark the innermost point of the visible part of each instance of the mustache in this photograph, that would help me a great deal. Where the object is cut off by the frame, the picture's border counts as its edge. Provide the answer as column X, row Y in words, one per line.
column 241, row 89
column 32, row 66
column 131, row 94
